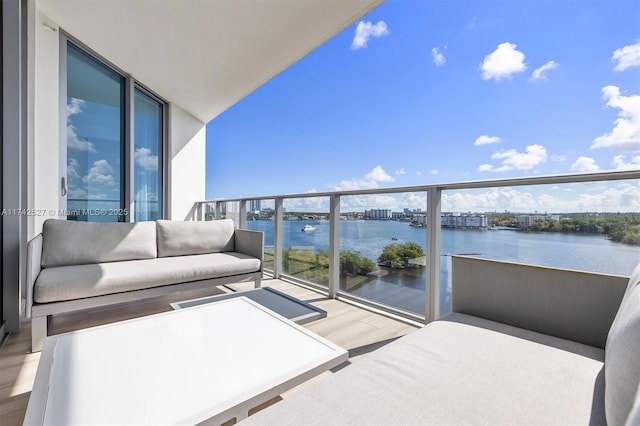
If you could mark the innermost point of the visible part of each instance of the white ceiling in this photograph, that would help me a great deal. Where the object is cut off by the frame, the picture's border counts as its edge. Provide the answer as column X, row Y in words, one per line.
column 204, row 55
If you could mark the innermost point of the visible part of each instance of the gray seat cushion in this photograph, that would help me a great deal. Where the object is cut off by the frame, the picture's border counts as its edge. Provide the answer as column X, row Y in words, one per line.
column 459, row 370
column 75, row 282
column 66, row 242
column 622, row 370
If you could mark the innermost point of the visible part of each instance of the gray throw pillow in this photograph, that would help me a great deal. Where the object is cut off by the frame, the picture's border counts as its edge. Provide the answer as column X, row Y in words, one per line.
column 66, row 242
column 178, row 238
column 622, row 357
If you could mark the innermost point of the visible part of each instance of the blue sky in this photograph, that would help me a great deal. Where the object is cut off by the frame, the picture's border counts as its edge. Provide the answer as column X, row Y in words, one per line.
column 421, row 92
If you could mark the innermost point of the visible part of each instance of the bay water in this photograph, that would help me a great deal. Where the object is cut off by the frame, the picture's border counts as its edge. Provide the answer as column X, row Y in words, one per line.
column 405, row 289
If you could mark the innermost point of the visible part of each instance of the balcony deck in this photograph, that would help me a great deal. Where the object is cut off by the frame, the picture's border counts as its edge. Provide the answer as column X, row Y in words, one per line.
column 355, row 329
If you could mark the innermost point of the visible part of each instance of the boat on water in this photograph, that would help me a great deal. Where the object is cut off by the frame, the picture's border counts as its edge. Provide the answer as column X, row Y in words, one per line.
column 308, row 228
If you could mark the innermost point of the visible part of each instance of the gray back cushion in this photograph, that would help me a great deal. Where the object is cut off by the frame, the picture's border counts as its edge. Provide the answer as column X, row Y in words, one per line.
column 79, row 243
column 622, row 357
column 177, row 238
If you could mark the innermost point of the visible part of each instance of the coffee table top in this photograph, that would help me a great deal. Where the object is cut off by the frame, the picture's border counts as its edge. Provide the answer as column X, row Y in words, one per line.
column 184, row 366
column 289, row 307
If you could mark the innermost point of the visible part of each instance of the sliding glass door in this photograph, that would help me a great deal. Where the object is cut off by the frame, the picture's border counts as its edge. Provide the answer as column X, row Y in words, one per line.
column 148, row 142
column 115, row 137
column 95, row 140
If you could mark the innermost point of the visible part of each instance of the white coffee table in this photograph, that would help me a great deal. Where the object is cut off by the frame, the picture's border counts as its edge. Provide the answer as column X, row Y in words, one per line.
column 208, row 363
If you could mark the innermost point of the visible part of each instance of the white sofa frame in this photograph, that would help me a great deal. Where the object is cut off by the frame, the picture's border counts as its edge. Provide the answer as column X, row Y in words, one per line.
column 40, row 313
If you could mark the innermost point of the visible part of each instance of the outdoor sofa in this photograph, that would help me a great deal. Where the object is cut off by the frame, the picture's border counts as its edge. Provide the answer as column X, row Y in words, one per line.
column 73, row 266
column 524, row 345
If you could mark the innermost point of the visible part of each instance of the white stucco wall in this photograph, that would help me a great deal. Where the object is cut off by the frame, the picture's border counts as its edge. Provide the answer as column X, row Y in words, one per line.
column 187, row 163
column 44, row 149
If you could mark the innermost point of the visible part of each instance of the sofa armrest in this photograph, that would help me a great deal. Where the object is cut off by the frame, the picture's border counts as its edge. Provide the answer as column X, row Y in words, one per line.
column 250, row 243
column 573, row 305
column 34, row 256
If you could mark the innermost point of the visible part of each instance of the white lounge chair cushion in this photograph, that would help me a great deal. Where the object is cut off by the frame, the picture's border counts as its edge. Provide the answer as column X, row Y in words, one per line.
column 459, row 370
column 79, row 281
column 178, row 238
column 622, row 371
column 67, row 242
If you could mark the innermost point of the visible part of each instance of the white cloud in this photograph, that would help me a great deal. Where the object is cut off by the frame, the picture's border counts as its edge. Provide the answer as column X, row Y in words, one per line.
column 512, row 159
column 378, row 174
column 72, row 170
column 558, row 157
column 75, row 107
column 433, row 172
column 487, row 140
column 312, row 204
column 627, row 57
column 370, row 180
column 619, row 161
column 74, row 141
column 613, row 197
column 145, row 160
column 503, row 62
column 77, row 193
column 585, row 164
column 491, row 168
column 401, row 171
column 100, row 173
column 366, row 30
column 625, row 135
column 438, row 58
column 541, row 73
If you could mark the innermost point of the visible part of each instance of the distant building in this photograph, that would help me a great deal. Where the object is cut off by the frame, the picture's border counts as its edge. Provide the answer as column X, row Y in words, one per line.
column 410, row 212
column 378, row 214
column 254, row 206
column 463, row 221
column 530, row 220
column 419, row 219
column 400, row 216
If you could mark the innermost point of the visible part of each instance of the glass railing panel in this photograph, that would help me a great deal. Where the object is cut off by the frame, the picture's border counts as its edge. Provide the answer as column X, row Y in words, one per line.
column 306, row 239
column 231, row 210
column 260, row 217
column 383, row 249
column 592, row 227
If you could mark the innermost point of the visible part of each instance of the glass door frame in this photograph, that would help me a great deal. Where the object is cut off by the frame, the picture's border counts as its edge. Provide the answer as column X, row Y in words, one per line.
column 128, row 155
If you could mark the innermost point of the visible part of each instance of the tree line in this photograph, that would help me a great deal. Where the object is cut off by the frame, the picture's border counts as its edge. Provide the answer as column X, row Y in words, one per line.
column 620, row 228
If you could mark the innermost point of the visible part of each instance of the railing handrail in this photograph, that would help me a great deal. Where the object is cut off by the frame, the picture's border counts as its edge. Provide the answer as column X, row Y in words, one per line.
column 488, row 183
column 433, row 211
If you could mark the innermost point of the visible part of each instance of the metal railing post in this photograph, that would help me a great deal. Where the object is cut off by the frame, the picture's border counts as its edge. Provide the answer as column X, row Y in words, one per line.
column 432, row 293
column 334, row 246
column 277, row 238
column 242, row 220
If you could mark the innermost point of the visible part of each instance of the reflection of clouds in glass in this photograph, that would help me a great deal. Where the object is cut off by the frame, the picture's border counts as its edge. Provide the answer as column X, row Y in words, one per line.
column 75, row 107
column 145, row 195
column 100, row 173
column 72, row 170
column 74, row 141
column 77, row 193
column 144, row 159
